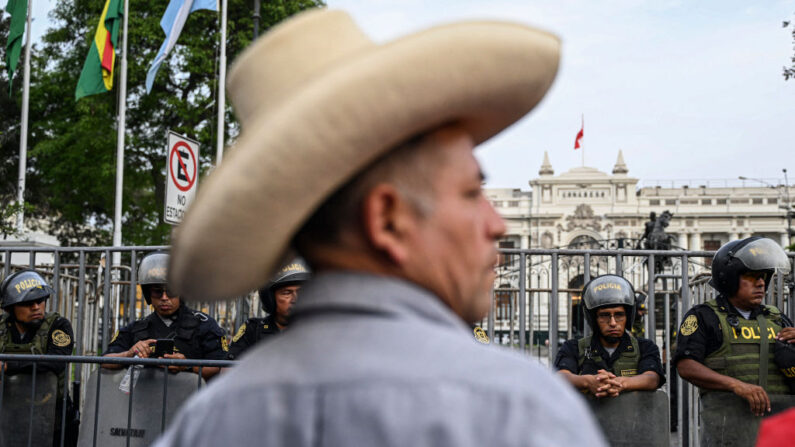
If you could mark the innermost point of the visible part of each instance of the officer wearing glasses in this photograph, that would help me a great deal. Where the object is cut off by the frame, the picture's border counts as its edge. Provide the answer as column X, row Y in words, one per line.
column 195, row 335
column 612, row 360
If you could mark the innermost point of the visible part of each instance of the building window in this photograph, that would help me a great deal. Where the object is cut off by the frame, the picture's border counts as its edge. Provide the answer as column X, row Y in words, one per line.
column 670, row 202
column 507, row 260
column 513, row 203
column 740, row 201
column 759, row 201
column 772, row 201
column 721, row 201
column 710, row 245
column 654, row 202
column 706, row 201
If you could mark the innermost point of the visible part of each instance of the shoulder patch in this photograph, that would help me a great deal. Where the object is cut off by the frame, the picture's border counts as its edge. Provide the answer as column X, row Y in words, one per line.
column 224, row 343
column 239, row 333
column 60, row 338
column 480, row 335
column 689, row 325
column 116, row 335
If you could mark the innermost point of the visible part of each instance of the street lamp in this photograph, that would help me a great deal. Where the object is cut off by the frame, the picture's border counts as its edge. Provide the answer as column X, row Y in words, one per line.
column 787, row 206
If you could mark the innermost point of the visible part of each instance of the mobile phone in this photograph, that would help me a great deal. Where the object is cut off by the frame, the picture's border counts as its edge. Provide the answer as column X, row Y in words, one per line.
column 162, row 347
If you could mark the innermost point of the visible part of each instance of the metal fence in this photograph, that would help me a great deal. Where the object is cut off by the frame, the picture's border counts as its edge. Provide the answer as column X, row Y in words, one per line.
column 536, row 303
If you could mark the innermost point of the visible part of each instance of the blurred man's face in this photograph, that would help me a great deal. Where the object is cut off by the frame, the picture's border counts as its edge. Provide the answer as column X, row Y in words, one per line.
column 164, row 303
column 285, row 298
column 31, row 312
column 453, row 248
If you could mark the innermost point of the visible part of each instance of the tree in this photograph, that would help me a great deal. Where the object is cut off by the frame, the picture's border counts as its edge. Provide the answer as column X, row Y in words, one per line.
column 71, row 176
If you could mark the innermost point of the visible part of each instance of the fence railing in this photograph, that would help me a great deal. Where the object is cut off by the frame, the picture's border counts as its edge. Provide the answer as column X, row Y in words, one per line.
column 536, row 305
column 536, row 300
column 90, row 422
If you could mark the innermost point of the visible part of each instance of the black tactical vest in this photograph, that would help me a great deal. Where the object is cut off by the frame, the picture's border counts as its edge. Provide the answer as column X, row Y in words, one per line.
column 184, row 331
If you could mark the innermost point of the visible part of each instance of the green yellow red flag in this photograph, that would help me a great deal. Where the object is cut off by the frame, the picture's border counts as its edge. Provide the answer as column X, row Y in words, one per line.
column 97, row 74
column 19, row 11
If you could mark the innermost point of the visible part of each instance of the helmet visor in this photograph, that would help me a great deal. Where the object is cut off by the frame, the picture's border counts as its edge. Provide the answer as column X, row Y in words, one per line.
column 764, row 254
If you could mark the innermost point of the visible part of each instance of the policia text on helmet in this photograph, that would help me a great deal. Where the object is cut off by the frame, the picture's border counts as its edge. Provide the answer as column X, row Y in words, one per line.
column 612, row 360
column 727, row 344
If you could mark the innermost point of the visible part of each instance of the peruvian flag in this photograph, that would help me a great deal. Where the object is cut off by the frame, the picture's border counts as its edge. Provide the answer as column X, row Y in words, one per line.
column 578, row 140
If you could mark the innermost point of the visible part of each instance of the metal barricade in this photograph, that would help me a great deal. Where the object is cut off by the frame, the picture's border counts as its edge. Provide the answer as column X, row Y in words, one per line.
column 536, row 301
column 536, row 305
column 106, row 420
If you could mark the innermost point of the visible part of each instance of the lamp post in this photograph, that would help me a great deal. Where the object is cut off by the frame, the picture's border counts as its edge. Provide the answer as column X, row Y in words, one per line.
column 787, row 206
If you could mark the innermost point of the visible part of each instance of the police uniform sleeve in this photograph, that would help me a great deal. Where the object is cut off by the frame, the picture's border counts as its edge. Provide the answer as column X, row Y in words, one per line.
column 60, row 341
column 567, row 357
column 122, row 340
column 650, row 359
column 698, row 335
column 213, row 341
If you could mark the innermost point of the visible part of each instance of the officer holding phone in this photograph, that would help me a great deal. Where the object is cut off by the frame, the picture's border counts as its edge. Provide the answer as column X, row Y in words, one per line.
column 173, row 330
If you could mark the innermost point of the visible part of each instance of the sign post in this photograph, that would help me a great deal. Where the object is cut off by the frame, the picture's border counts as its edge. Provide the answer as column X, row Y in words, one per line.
column 182, row 172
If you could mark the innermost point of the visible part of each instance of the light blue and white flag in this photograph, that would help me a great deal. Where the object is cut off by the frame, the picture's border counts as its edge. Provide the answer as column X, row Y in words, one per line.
column 172, row 22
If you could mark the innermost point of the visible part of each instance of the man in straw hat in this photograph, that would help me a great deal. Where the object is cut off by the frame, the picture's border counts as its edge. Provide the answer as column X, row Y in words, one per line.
column 359, row 157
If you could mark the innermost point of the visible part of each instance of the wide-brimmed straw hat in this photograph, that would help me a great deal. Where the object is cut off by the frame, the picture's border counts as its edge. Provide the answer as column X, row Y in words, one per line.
column 318, row 101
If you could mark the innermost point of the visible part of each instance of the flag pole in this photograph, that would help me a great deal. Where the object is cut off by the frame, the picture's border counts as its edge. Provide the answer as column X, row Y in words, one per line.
column 23, row 137
column 122, row 118
column 583, row 140
column 219, row 154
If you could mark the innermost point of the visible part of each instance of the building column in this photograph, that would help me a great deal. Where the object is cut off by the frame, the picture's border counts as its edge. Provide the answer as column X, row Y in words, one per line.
column 784, row 240
column 682, row 240
column 695, row 242
column 733, row 237
column 746, row 235
column 524, row 242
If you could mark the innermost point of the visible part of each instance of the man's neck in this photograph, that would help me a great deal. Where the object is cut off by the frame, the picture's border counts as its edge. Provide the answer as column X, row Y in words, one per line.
column 607, row 344
column 734, row 303
column 20, row 328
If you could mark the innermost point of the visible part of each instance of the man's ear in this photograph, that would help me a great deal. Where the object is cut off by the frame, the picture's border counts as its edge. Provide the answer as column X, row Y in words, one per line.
column 388, row 221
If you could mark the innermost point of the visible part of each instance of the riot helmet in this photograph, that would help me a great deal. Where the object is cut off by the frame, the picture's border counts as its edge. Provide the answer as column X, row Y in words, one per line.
column 23, row 286
column 153, row 270
column 293, row 273
column 608, row 291
column 746, row 255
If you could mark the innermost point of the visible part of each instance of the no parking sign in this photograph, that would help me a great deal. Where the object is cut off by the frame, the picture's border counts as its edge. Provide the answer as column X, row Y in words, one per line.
column 182, row 172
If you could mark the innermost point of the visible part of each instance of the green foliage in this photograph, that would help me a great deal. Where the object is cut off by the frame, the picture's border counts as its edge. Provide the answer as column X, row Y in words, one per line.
column 72, row 155
column 8, row 217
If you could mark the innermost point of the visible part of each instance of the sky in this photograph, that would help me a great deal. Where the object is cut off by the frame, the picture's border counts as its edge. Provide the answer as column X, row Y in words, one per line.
column 687, row 90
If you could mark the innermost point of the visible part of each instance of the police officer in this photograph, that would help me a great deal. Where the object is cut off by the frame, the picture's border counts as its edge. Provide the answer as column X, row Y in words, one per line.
column 726, row 344
column 638, row 329
column 25, row 328
column 277, row 297
column 195, row 334
column 612, row 360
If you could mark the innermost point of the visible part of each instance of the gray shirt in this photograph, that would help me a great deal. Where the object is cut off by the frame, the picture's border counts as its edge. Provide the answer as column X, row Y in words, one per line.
column 376, row 361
